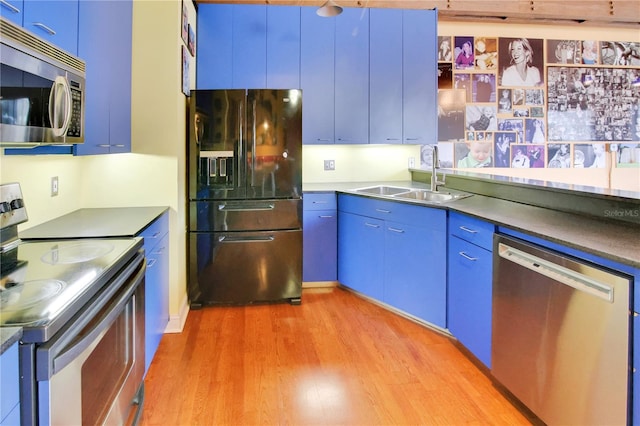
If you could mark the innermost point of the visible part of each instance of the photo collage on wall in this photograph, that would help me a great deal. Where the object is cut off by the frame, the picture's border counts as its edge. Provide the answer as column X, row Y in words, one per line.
column 534, row 103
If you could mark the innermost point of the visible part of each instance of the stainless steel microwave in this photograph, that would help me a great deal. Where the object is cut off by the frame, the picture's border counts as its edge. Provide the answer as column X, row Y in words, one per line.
column 42, row 91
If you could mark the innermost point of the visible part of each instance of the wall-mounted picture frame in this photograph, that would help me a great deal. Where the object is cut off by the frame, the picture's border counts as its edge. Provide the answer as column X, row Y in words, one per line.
column 192, row 41
column 185, row 24
column 185, row 72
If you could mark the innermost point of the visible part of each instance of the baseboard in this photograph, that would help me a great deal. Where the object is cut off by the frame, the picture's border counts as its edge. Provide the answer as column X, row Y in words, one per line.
column 319, row 284
column 176, row 322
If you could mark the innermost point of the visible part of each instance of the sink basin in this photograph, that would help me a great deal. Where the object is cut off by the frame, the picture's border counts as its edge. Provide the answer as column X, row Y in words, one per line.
column 382, row 190
column 430, row 196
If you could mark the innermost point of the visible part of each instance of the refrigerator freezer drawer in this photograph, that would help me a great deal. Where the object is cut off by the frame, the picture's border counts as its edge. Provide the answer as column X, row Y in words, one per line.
column 245, row 215
column 239, row 268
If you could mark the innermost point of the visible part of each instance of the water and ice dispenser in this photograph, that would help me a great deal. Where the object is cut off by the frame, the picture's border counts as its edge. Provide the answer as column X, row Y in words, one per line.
column 217, row 167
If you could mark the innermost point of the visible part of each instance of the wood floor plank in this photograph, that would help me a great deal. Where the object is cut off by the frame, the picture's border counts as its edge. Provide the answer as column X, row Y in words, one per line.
column 334, row 360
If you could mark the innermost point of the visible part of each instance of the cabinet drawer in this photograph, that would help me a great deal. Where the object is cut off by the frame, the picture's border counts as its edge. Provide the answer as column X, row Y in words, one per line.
column 425, row 217
column 470, row 229
column 319, row 201
column 154, row 233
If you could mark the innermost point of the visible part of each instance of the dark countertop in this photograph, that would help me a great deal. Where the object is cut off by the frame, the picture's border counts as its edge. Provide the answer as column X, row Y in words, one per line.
column 96, row 223
column 617, row 241
column 8, row 336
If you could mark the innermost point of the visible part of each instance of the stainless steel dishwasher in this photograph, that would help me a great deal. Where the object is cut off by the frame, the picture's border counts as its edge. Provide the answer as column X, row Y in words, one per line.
column 560, row 334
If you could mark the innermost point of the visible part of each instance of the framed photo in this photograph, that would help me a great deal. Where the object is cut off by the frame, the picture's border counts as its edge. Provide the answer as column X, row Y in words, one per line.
column 192, row 41
column 185, row 72
column 185, row 24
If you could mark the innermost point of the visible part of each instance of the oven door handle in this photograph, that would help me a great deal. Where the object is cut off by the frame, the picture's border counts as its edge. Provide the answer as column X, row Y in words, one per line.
column 58, row 355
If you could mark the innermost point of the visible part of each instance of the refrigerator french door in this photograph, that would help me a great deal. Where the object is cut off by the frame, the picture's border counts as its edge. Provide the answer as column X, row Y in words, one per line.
column 245, row 204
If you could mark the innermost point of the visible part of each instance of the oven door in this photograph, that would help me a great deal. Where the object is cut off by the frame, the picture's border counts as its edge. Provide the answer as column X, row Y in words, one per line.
column 94, row 370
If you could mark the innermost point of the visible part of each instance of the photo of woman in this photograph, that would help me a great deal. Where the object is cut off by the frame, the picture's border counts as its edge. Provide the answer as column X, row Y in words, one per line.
column 519, row 62
column 464, row 52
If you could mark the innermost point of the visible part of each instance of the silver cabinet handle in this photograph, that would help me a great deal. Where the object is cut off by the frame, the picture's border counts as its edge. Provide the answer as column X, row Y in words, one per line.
column 104, row 145
column 325, row 216
column 9, row 6
column 399, row 231
column 44, row 27
column 393, row 139
column 151, row 262
column 323, row 140
column 319, row 202
column 466, row 256
column 471, row 231
column 159, row 251
column 119, row 145
column 371, row 225
column 383, row 211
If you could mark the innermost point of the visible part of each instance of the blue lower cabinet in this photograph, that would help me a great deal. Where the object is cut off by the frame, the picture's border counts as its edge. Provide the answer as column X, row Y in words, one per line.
column 395, row 253
column 156, row 246
column 361, row 254
column 319, row 237
column 415, row 277
column 470, row 292
column 10, row 387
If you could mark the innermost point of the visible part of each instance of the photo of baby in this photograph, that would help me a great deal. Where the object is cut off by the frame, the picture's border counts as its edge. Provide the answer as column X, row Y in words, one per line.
column 473, row 154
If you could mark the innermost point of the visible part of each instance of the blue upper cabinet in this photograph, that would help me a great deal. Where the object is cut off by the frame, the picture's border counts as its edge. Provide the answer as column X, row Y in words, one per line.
column 233, row 46
column 385, row 76
column 317, row 59
column 214, row 46
column 105, row 45
column 352, row 77
column 12, row 10
column 54, row 21
column 249, row 48
column 420, row 82
column 283, row 47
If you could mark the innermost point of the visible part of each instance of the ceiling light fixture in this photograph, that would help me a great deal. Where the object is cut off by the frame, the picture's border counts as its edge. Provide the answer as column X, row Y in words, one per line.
column 329, row 9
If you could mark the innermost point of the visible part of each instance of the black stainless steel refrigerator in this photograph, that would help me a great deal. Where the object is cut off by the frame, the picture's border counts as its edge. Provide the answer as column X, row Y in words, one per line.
column 245, row 197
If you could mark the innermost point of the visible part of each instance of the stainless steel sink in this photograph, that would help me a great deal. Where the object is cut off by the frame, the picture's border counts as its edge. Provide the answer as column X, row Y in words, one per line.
column 425, row 196
column 430, row 196
column 383, row 190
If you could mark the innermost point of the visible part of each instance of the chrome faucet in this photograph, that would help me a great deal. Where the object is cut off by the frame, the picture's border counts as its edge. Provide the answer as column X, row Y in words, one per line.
column 434, row 168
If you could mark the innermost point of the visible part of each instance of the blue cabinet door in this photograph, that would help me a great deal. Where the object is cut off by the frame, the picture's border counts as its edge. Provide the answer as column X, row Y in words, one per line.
column 249, row 53
column 317, row 61
column 420, row 83
column 283, row 47
column 415, row 275
column 156, row 298
column 470, row 292
column 319, row 245
column 10, row 386
column 54, row 21
column 214, row 47
column 352, row 77
column 361, row 254
column 105, row 44
column 385, row 76
column 13, row 10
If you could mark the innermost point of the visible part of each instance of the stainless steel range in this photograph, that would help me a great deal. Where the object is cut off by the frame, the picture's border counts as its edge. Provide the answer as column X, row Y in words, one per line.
column 81, row 306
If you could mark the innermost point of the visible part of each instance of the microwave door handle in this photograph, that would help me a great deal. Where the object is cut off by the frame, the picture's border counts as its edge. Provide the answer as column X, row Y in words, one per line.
column 56, row 101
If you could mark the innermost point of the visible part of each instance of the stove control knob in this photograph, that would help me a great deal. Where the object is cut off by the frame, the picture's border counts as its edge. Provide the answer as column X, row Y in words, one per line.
column 5, row 207
column 18, row 203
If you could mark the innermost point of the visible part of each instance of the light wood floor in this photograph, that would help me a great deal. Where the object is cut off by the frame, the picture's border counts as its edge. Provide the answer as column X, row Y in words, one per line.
column 334, row 360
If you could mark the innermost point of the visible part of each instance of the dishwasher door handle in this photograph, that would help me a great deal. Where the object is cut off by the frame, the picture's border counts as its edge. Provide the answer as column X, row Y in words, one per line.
column 557, row 272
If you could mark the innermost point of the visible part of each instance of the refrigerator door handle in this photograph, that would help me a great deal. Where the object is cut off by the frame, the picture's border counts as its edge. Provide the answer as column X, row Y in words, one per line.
column 246, row 207
column 253, row 142
column 254, row 239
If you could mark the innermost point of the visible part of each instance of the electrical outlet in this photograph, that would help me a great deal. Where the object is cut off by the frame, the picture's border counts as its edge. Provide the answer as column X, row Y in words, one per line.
column 54, row 186
column 329, row 164
column 412, row 162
